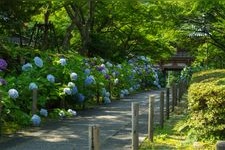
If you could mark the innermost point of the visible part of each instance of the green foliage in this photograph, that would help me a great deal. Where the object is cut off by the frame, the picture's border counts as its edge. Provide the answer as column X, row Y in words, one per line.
column 113, row 80
column 206, row 96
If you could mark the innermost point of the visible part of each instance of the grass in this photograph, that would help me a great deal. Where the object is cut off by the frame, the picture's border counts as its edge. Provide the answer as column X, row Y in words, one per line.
column 174, row 134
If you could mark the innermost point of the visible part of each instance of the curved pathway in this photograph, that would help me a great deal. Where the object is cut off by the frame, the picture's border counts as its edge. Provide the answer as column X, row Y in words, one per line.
column 114, row 121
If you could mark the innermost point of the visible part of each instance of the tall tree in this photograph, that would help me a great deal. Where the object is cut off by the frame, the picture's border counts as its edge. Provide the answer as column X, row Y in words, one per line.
column 82, row 15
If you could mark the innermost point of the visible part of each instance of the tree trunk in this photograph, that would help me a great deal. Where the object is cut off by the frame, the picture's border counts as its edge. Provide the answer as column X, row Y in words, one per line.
column 68, row 36
column 83, row 22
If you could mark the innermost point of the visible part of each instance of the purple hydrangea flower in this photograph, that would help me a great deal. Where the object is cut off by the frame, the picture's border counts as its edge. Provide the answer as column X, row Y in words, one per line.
column 38, row 61
column 2, row 82
column 36, row 120
column 44, row 112
column 107, row 76
column 3, row 64
column 62, row 61
column 73, row 76
column 27, row 67
column 33, row 86
column 13, row 93
column 51, row 78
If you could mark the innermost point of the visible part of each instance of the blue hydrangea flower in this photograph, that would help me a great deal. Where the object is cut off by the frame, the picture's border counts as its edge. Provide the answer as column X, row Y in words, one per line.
column 94, row 58
column 131, row 89
column 51, row 78
column 107, row 94
column 33, row 86
column 107, row 100
column 74, row 90
column 102, row 60
column 89, row 80
column 72, row 112
column 67, row 91
column 13, row 93
column 87, row 71
column 114, row 74
column 119, row 66
column 103, row 91
column 36, row 120
column 44, row 112
column 104, row 72
column 116, row 81
column 73, row 76
column 27, row 67
column 71, row 85
column 81, row 97
column 38, row 61
column 3, row 64
column 62, row 61
column 62, row 113
column 121, row 95
column 126, row 92
column 109, row 64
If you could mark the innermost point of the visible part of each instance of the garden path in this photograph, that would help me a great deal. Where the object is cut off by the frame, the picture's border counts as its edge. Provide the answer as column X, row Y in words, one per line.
column 114, row 120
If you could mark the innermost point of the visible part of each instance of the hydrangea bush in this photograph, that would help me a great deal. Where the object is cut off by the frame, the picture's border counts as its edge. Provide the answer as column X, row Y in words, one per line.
column 73, row 81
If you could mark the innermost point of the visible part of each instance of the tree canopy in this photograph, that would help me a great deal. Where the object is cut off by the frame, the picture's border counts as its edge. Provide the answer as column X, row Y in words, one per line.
column 117, row 30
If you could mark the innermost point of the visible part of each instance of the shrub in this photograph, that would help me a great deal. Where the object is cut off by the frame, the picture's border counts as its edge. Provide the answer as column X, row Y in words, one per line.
column 206, row 97
column 69, row 81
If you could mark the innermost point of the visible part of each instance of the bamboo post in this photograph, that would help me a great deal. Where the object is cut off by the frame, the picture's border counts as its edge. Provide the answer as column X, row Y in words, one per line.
column 220, row 145
column 151, row 117
column 135, row 113
column 167, row 103
column 34, row 101
column 161, row 109
column 94, row 140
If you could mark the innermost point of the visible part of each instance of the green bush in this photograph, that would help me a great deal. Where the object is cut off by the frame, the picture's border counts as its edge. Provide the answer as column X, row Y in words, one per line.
column 206, row 97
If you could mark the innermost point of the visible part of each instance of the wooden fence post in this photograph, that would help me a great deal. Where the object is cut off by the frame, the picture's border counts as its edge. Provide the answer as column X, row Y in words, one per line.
column 175, row 94
column 161, row 109
column 220, row 145
column 135, row 113
column 94, row 141
column 173, row 97
column 151, row 117
column 34, row 101
column 178, row 92
column 167, row 103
